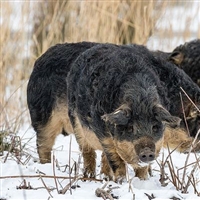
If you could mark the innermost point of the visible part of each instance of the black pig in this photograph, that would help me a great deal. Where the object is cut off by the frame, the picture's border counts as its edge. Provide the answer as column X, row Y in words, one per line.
column 47, row 100
column 115, row 95
column 187, row 57
column 47, row 95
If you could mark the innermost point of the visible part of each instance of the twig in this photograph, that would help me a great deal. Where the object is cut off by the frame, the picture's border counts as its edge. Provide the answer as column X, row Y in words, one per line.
column 68, row 186
column 12, row 145
column 187, row 158
column 189, row 178
column 100, row 192
column 198, row 159
column 71, row 182
column 188, row 132
column 172, row 174
column 46, row 187
column 163, row 177
column 104, row 194
column 194, row 185
column 48, row 176
column 54, row 173
column 162, row 166
column 189, row 98
column 150, row 197
column 174, row 177
column 179, row 183
column 23, row 185
column 130, row 188
column 77, row 166
column 26, row 161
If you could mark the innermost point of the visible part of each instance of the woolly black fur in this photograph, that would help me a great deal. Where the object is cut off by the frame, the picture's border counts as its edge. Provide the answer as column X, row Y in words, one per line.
column 47, row 82
column 189, row 59
column 95, row 81
column 107, row 76
column 103, row 75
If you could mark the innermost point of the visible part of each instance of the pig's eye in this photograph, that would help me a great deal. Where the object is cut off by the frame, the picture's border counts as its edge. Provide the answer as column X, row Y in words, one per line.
column 130, row 129
column 155, row 128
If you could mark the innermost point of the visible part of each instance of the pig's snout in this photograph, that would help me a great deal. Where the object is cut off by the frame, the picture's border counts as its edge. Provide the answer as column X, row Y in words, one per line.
column 146, row 155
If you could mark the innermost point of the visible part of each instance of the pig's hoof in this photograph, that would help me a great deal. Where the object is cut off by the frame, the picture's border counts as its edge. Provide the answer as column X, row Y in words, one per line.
column 89, row 174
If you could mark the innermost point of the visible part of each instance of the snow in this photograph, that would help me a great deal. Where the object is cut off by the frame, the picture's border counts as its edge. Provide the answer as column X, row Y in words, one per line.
column 177, row 26
column 30, row 166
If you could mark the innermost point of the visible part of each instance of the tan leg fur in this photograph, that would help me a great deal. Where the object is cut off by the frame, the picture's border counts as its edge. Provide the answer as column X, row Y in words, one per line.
column 88, row 143
column 47, row 134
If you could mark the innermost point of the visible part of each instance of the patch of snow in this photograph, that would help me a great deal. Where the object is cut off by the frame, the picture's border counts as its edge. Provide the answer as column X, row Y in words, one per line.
column 84, row 190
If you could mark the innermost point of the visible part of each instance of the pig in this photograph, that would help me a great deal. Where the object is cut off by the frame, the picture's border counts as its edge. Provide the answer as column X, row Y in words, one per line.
column 118, row 104
column 187, row 57
column 47, row 95
column 56, row 88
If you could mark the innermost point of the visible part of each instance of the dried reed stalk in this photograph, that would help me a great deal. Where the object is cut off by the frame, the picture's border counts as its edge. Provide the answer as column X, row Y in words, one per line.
column 43, row 23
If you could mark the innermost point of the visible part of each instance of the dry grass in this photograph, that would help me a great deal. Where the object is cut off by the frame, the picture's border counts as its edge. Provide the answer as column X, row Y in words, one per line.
column 183, row 177
column 29, row 28
column 101, row 21
column 14, row 65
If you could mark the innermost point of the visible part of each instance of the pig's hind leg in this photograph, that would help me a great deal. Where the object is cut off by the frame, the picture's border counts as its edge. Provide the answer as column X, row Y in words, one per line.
column 57, row 123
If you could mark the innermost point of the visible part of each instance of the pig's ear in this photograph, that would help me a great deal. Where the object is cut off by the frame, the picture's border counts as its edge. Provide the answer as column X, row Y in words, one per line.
column 192, row 112
column 120, row 116
column 163, row 115
column 176, row 57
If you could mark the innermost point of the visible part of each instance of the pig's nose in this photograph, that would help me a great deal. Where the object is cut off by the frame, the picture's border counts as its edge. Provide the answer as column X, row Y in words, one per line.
column 146, row 155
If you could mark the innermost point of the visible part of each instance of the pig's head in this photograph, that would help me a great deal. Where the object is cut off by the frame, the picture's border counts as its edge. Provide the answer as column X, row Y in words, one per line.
column 186, row 54
column 187, row 57
column 138, row 132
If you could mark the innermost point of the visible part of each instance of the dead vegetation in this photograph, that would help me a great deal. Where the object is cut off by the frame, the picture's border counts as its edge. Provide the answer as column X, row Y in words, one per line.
column 29, row 28
column 182, row 178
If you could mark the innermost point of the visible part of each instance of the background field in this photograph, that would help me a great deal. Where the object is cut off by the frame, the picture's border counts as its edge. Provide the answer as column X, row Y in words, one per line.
column 29, row 28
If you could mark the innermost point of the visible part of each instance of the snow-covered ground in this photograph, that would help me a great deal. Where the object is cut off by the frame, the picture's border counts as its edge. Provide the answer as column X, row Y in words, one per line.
column 14, row 176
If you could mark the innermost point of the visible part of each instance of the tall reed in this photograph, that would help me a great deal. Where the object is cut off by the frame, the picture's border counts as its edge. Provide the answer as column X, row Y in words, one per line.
column 29, row 28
